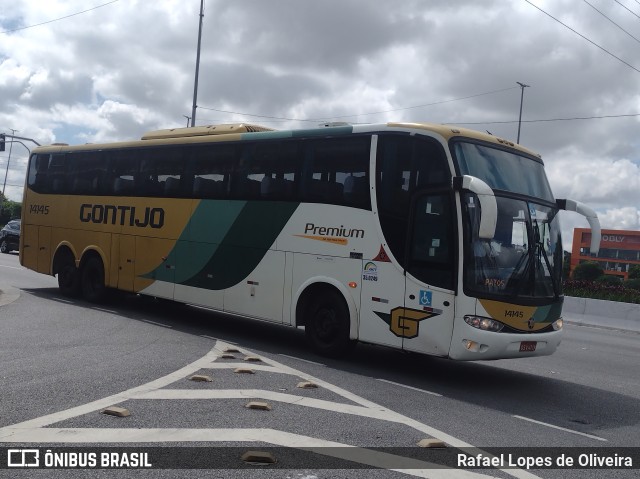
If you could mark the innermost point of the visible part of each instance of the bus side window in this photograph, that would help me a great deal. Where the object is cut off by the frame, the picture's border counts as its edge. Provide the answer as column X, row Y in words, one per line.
column 335, row 172
column 87, row 172
column 58, row 178
column 211, row 167
column 38, row 173
column 123, row 170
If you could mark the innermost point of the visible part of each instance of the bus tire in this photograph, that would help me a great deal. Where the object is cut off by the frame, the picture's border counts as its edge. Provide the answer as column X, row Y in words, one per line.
column 327, row 324
column 68, row 276
column 4, row 246
column 92, row 274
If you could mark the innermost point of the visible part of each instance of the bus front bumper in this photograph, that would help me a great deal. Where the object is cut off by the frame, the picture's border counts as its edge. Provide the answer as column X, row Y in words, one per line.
column 472, row 344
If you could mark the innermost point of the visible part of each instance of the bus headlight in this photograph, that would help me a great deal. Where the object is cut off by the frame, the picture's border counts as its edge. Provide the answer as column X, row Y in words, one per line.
column 558, row 324
column 486, row 324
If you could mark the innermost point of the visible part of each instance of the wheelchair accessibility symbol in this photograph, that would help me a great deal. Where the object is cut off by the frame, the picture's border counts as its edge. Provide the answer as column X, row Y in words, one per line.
column 425, row 298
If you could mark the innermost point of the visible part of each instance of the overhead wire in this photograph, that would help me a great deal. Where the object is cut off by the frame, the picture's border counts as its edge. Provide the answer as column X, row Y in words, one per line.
column 61, row 18
column 628, row 9
column 583, row 37
column 605, row 16
column 360, row 114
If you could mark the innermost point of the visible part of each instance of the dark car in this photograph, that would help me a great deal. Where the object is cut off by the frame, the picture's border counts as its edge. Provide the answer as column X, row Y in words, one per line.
column 10, row 237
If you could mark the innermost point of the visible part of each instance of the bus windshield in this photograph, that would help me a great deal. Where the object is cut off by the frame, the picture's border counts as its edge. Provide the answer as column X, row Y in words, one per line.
column 524, row 259
column 503, row 170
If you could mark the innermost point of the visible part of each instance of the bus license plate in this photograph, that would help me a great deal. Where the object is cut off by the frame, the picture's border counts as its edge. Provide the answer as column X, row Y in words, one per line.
column 528, row 346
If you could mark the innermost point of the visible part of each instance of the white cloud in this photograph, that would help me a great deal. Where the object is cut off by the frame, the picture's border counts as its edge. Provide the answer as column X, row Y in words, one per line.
column 117, row 71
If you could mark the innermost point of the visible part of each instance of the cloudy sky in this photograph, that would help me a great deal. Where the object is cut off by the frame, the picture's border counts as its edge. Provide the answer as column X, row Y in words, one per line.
column 97, row 70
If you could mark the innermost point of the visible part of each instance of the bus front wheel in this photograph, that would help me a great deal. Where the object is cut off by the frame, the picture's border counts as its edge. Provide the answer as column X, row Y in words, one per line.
column 327, row 325
column 92, row 281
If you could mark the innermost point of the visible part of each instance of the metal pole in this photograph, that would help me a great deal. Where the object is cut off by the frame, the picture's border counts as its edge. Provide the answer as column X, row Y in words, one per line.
column 522, row 87
column 6, row 173
column 195, row 87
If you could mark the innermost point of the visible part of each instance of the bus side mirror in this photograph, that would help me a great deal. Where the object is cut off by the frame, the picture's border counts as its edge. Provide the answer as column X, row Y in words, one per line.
column 488, row 204
column 592, row 218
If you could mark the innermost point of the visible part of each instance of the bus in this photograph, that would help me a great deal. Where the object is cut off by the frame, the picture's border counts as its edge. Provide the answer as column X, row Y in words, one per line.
column 421, row 237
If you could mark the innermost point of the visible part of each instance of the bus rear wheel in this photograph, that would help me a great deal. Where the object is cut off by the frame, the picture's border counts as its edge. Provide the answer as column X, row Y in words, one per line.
column 92, row 280
column 68, row 277
column 327, row 325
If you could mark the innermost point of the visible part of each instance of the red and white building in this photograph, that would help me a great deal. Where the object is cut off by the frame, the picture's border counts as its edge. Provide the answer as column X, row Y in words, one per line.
column 619, row 250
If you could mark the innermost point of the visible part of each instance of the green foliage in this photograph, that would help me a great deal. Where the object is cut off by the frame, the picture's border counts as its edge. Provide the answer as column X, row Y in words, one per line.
column 633, row 283
column 634, row 272
column 588, row 271
column 610, row 280
column 11, row 210
column 599, row 290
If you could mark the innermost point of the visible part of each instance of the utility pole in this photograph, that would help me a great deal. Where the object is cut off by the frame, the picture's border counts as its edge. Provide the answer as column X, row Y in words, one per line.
column 195, row 87
column 522, row 87
column 6, row 173
column 17, row 140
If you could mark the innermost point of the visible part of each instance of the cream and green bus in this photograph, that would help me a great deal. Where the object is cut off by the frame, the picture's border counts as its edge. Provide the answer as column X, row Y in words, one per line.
column 421, row 237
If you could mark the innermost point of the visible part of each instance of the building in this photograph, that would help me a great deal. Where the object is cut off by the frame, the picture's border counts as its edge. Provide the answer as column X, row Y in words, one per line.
column 619, row 250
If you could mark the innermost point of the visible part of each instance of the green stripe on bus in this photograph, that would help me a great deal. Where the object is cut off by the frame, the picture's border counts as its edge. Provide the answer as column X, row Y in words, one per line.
column 245, row 244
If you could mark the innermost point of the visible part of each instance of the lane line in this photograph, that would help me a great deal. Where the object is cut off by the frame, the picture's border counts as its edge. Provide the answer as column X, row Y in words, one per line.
column 303, row 360
column 561, row 428
column 410, row 387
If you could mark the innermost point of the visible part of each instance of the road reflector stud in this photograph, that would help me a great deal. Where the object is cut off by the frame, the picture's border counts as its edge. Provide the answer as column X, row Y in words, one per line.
column 258, row 457
column 252, row 359
column 261, row 406
column 202, row 378
column 116, row 411
column 307, row 385
column 227, row 356
column 432, row 443
column 244, row 371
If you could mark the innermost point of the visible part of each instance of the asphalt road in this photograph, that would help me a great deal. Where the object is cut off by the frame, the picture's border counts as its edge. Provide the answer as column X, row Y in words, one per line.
column 64, row 361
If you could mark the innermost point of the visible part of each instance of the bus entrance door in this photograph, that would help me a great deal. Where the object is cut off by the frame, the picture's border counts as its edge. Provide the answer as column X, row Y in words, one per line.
column 430, row 275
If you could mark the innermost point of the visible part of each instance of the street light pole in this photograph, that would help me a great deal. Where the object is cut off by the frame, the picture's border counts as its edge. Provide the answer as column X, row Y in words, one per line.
column 6, row 173
column 522, row 87
column 195, row 87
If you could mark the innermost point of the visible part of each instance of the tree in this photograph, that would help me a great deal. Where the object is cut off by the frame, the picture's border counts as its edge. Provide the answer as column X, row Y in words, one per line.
column 588, row 271
column 634, row 272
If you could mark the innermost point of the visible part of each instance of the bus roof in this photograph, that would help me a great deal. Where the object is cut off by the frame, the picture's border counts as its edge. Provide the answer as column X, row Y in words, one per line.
column 242, row 131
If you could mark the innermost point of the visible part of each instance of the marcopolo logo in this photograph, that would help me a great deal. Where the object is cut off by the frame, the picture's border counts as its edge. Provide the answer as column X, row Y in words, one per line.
column 331, row 234
column 122, row 215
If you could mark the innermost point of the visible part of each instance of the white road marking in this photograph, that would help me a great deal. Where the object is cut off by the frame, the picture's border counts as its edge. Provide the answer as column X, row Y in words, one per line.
column 300, row 359
column 157, row 324
column 216, row 339
column 369, row 457
column 561, row 428
column 37, row 430
column 410, row 387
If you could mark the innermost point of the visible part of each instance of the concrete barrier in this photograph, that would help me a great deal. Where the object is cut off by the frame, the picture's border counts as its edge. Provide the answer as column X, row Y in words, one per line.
column 597, row 312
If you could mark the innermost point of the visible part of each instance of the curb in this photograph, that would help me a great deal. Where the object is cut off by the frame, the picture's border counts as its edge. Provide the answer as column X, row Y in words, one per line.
column 8, row 294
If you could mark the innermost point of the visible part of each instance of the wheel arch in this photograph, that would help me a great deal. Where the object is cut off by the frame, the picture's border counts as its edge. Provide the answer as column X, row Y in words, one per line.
column 317, row 285
column 62, row 249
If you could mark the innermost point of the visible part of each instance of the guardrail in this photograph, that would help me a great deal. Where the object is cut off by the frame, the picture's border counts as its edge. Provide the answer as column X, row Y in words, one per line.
column 597, row 312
